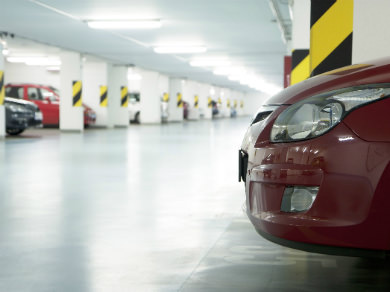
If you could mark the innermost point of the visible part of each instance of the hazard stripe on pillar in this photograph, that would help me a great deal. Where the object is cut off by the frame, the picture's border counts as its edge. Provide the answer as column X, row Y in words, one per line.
column 300, row 65
column 196, row 101
column 103, row 96
column 2, row 90
column 209, row 102
column 219, row 100
column 166, row 96
column 228, row 103
column 179, row 100
column 242, row 104
column 331, row 26
column 77, row 93
column 124, row 97
column 235, row 103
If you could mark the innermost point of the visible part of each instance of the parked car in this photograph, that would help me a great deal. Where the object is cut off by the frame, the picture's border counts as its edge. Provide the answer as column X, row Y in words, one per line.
column 315, row 162
column 21, row 114
column 134, row 107
column 47, row 98
column 186, row 109
column 215, row 110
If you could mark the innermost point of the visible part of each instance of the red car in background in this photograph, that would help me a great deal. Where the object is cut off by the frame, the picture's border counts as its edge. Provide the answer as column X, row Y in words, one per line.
column 316, row 163
column 47, row 98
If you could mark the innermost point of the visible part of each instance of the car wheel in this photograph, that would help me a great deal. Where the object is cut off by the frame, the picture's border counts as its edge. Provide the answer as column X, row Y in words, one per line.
column 14, row 131
column 136, row 118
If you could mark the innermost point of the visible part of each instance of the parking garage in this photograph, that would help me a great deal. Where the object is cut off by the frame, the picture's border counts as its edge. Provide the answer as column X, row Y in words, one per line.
column 120, row 125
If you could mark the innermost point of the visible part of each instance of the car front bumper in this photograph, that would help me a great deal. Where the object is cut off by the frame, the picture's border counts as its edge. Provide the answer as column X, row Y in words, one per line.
column 352, row 205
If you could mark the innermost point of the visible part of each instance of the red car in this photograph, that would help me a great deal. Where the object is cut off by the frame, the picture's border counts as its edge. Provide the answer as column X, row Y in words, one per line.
column 315, row 161
column 48, row 100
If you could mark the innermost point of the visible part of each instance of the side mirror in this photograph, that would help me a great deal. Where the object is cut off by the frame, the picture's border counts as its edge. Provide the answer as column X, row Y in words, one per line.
column 47, row 99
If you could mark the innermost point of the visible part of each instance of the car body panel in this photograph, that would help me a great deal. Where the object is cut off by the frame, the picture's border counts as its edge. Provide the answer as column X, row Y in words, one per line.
column 350, row 164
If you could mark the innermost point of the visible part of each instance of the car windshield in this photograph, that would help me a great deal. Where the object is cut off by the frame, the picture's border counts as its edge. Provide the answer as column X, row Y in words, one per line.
column 55, row 90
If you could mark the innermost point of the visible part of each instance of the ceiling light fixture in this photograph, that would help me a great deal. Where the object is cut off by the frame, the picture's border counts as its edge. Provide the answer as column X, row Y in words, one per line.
column 180, row 49
column 124, row 24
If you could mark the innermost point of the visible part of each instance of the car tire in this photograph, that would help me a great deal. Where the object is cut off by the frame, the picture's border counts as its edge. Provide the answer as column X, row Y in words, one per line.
column 14, row 131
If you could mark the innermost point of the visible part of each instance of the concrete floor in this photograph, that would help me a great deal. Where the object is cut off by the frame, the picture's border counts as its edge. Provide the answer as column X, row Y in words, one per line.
column 149, row 208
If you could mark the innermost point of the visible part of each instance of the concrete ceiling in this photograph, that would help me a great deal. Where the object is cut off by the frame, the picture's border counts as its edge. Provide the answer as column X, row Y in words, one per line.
column 244, row 31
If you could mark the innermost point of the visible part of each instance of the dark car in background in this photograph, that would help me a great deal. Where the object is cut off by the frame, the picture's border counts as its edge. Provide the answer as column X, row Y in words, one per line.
column 47, row 98
column 20, row 115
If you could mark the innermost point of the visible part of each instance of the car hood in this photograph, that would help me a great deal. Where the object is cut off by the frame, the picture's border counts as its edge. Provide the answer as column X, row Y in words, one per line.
column 376, row 71
column 25, row 103
column 17, row 101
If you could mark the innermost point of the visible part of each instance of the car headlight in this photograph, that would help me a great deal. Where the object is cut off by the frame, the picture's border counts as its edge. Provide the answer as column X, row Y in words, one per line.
column 316, row 115
column 14, row 107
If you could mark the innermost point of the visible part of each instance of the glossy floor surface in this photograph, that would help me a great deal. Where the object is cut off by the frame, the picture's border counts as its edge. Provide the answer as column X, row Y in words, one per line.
column 149, row 208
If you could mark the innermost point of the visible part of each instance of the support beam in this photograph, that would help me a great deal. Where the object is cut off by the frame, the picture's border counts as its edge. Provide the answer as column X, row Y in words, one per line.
column 71, row 110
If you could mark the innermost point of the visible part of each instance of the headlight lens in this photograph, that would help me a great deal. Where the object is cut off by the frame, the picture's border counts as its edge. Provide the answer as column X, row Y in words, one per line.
column 316, row 115
column 15, row 107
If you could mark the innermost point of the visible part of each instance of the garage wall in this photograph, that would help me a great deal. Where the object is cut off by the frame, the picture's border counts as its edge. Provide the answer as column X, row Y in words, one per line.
column 253, row 101
column 21, row 73
column 371, row 34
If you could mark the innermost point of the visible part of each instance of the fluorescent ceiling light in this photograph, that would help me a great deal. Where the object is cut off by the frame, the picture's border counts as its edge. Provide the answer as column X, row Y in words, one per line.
column 210, row 62
column 124, row 24
column 180, row 49
column 5, row 52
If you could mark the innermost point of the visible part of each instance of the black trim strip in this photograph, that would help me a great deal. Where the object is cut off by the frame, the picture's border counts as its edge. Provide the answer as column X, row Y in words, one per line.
column 77, row 96
column 319, row 8
column 103, row 97
column 340, row 57
column 326, row 249
column 298, row 56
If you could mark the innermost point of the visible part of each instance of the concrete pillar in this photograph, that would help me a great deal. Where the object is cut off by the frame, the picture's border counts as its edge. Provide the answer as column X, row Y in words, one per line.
column 150, row 99
column 164, row 95
column 193, row 100
column 118, row 112
column 2, row 94
column 223, row 102
column 300, row 63
column 176, row 88
column 371, row 35
column 94, row 78
column 204, row 99
column 331, row 26
column 71, row 110
column 240, row 104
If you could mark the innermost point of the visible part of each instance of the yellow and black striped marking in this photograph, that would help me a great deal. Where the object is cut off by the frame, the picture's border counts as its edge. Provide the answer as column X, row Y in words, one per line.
column 124, row 97
column 219, row 100
column 2, row 90
column 196, row 101
column 228, row 103
column 331, row 26
column 179, row 100
column 165, row 97
column 242, row 104
column 235, row 103
column 300, row 65
column 209, row 102
column 103, row 96
column 77, row 93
